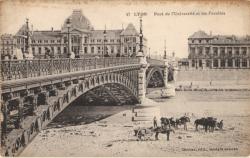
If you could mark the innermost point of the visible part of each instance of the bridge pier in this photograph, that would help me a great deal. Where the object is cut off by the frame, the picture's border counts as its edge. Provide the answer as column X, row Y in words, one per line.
column 142, row 85
column 165, row 74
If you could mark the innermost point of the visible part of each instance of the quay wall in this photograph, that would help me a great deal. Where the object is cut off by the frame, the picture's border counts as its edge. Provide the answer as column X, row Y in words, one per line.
column 214, row 75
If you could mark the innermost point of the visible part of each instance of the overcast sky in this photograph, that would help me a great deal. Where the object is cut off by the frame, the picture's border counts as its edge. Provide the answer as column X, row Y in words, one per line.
column 231, row 18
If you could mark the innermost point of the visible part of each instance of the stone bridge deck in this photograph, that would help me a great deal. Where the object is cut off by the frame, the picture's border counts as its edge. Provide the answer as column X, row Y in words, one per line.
column 35, row 91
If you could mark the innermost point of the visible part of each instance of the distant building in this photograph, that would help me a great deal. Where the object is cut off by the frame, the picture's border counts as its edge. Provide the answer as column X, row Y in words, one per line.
column 218, row 51
column 84, row 40
column 7, row 46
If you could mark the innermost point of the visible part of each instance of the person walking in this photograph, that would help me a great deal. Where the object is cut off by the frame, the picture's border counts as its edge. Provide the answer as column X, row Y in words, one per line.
column 155, row 122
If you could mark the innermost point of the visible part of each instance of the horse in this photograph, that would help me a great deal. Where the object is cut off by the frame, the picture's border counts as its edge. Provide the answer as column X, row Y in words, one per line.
column 199, row 122
column 182, row 121
column 208, row 123
column 167, row 121
column 163, row 130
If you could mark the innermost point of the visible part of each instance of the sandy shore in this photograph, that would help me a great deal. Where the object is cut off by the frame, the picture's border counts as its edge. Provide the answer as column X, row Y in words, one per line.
column 114, row 135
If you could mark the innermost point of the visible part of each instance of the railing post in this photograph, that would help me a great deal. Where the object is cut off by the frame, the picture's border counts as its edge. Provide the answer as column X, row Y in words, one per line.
column 39, row 67
column 52, row 67
column 84, row 64
column 70, row 66
column 104, row 62
column 95, row 63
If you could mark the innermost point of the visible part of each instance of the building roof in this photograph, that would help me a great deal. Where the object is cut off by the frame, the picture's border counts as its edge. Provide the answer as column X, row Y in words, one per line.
column 130, row 31
column 77, row 21
column 221, row 39
column 22, row 31
column 109, row 33
column 200, row 34
column 46, row 34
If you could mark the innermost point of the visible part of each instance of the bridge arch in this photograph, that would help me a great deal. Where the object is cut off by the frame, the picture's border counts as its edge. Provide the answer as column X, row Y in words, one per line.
column 154, row 71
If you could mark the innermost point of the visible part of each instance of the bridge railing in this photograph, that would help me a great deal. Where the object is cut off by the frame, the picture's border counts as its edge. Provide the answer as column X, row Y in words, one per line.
column 20, row 69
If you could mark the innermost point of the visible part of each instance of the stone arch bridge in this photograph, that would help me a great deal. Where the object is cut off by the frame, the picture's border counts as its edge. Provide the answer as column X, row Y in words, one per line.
column 35, row 91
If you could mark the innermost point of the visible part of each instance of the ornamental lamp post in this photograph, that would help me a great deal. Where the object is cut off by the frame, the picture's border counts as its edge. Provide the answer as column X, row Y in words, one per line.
column 140, row 53
column 104, row 40
column 165, row 51
column 68, row 24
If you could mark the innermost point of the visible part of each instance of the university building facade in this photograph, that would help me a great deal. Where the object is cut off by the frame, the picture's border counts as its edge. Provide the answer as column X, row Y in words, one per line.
column 218, row 51
column 84, row 40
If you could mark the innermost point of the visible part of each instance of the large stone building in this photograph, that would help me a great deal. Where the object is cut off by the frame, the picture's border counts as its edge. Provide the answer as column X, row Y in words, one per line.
column 218, row 51
column 7, row 45
column 84, row 40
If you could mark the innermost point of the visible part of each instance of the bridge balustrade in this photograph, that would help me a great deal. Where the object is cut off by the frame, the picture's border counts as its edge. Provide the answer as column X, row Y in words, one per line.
column 20, row 69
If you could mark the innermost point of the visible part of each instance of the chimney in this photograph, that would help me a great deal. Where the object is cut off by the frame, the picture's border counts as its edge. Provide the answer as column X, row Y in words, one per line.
column 210, row 33
column 52, row 29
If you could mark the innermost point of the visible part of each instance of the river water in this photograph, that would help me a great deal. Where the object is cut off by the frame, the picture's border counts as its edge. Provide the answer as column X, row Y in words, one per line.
column 231, row 106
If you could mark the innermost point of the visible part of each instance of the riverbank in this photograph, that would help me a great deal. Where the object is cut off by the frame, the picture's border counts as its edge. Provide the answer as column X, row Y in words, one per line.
column 114, row 135
column 223, row 85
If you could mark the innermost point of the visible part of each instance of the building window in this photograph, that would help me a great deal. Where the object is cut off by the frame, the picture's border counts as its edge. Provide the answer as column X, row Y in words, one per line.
column 64, row 50
column 33, row 41
column 222, row 51
column 230, row 63
column 222, row 63
column 229, row 51
column 85, row 39
column 59, row 50
column 58, row 41
column 244, row 51
column 125, row 50
column 92, row 49
column 112, row 41
column 99, row 49
column 111, row 49
column 215, row 63
column 33, row 50
column 207, row 63
column 134, row 49
column 192, row 50
column 134, row 39
column 52, row 49
column 45, row 41
column 193, row 63
column 237, row 52
column 237, row 62
column 52, row 41
column 244, row 63
column 207, row 50
column 215, row 50
column 118, row 40
column 200, row 50
column 200, row 63
column 65, row 39
column 85, row 50
column 39, row 50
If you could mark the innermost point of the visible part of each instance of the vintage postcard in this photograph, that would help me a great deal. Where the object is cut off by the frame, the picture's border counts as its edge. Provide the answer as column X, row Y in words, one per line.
column 105, row 78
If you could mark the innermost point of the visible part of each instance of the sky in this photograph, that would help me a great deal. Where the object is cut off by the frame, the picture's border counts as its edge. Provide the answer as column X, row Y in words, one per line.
column 160, row 23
